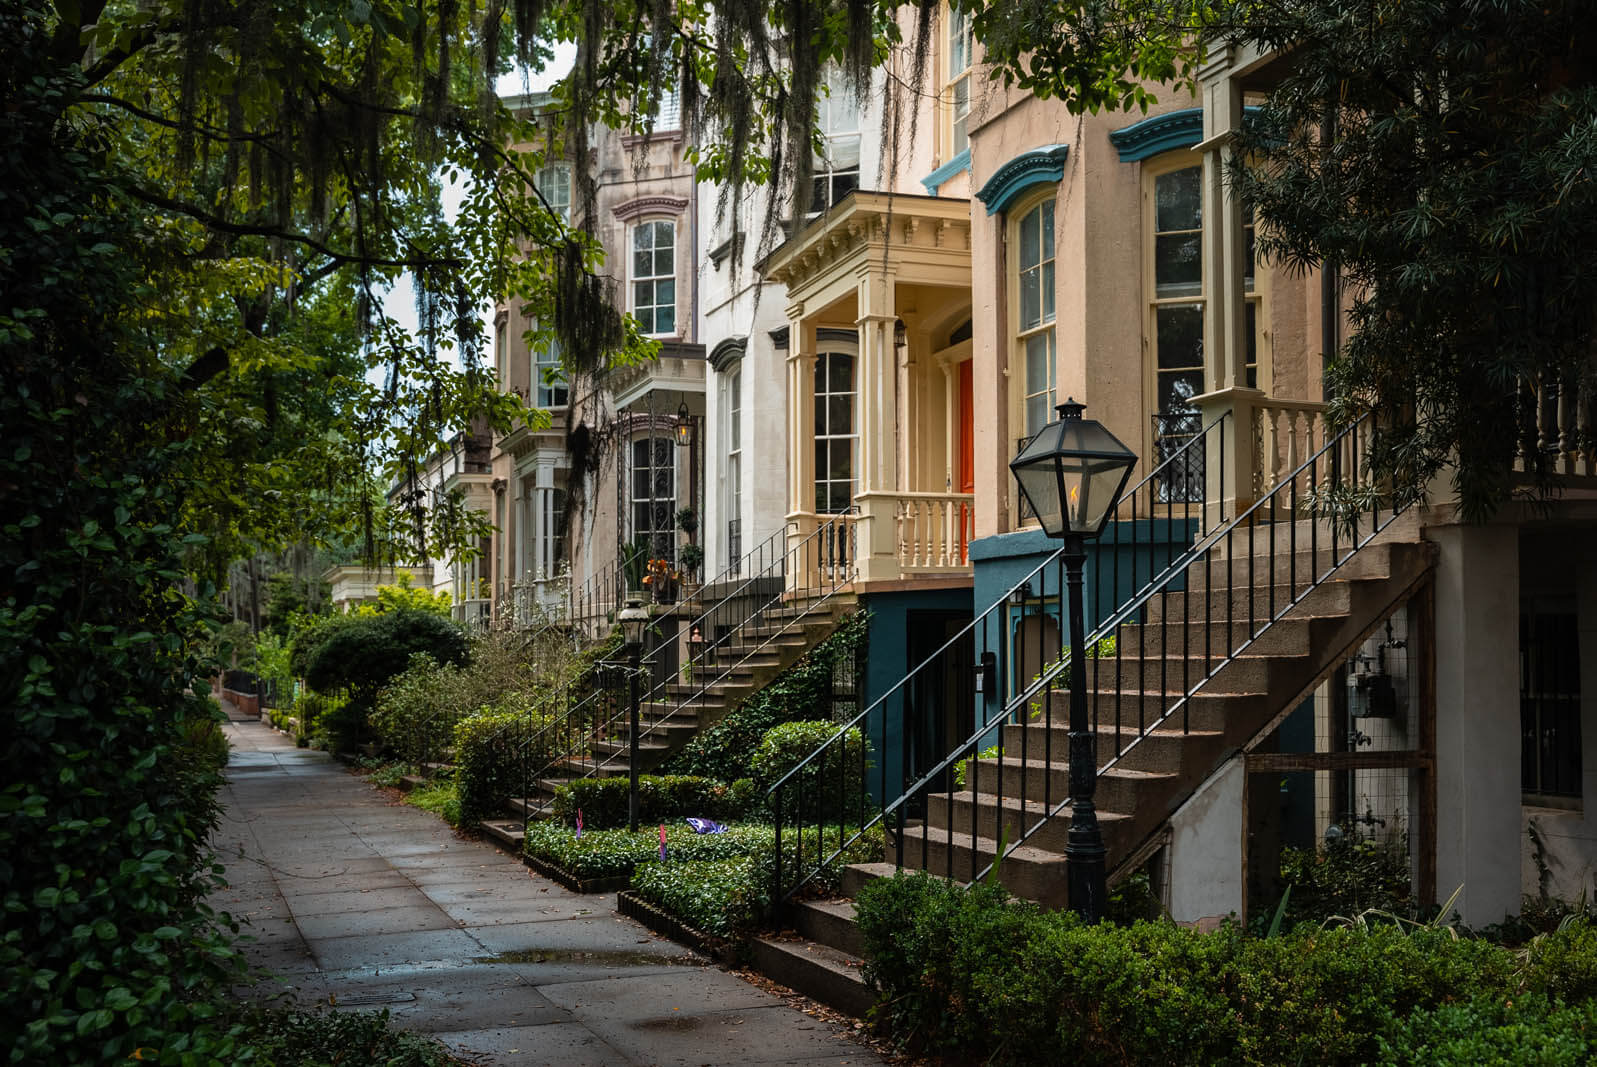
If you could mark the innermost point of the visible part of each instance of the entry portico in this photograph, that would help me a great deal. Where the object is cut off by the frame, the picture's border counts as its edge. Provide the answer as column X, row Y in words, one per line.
column 878, row 402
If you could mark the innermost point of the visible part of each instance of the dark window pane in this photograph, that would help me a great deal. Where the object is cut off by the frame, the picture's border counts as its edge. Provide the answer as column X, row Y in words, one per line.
column 1176, row 389
column 1180, row 336
column 840, row 414
column 1178, row 200
column 1178, row 266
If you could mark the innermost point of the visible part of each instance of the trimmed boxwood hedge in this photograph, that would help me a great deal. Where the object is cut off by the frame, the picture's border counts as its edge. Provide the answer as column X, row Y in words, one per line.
column 611, row 853
column 720, row 897
column 488, row 759
column 661, row 798
column 972, row 974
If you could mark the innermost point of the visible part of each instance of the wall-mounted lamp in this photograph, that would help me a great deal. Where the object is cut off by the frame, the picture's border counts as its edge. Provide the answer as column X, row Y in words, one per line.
column 900, row 338
column 1020, row 594
column 684, row 426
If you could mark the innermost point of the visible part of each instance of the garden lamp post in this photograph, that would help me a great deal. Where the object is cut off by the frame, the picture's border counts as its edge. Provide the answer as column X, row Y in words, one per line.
column 634, row 617
column 1072, row 473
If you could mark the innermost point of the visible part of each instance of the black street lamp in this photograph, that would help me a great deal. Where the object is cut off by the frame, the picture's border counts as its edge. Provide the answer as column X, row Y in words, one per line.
column 1072, row 473
column 633, row 618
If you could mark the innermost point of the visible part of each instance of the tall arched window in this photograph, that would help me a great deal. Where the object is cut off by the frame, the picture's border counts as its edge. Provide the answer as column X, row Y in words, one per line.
column 654, row 495
column 654, row 292
column 834, row 432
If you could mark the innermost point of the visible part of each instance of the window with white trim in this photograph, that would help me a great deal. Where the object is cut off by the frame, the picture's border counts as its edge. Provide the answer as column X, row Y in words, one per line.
column 549, row 376
column 654, row 299
column 1035, row 342
column 654, row 495
column 733, row 386
column 835, row 438
column 956, row 89
column 1176, row 310
column 837, row 164
column 554, row 185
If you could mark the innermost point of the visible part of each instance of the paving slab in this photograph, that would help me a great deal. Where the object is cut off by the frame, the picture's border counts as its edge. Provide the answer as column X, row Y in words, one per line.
column 363, row 903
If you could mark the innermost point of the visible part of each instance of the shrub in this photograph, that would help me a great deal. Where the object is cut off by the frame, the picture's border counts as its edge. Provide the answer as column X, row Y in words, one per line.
column 725, row 749
column 303, row 1037
column 489, row 753
column 971, row 973
column 1348, row 877
column 830, row 788
column 661, row 798
column 615, row 853
column 1495, row 1029
column 361, row 654
column 721, row 897
column 441, row 797
column 1563, row 964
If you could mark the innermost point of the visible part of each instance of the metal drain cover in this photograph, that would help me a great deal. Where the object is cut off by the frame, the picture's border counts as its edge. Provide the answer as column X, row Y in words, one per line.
column 366, row 1000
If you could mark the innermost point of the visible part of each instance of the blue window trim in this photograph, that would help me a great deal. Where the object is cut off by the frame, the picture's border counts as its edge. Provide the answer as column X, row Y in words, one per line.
column 1162, row 133
column 1045, row 164
column 936, row 178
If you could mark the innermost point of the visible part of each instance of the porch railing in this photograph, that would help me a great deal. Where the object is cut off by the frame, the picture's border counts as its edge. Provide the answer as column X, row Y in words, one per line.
column 935, row 531
column 1285, row 433
column 952, row 704
column 1557, row 424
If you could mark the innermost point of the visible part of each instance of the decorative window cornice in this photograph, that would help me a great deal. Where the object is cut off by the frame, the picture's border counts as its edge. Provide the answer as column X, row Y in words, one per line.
column 1162, row 133
column 727, row 352
column 650, row 205
column 936, row 178
column 1039, row 165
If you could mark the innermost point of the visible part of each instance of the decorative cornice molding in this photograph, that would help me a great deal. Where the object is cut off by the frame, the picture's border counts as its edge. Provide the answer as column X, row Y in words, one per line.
column 727, row 352
column 650, row 205
column 936, row 178
column 1045, row 164
column 836, row 336
column 1162, row 133
column 779, row 338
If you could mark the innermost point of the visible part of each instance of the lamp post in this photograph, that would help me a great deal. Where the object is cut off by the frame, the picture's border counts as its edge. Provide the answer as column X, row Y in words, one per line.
column 1072, row 473
column 634, row 617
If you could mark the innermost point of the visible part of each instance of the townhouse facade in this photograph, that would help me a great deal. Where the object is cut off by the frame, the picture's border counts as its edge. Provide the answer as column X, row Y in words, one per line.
column 838, row 413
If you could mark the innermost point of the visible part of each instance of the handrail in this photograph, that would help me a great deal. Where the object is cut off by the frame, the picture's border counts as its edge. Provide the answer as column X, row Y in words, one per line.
column 1142, row 510
column 794, row 561
column 574, row 731
column 1343, row 455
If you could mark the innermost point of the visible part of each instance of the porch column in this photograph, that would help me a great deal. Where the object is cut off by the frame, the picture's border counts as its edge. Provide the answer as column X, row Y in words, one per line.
column 879, row 472
column 800, row 427
column 1230, row 462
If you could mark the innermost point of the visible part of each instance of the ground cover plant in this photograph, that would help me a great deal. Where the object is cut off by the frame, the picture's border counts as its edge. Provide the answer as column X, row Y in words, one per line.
column 603, row 802
column 972, row 973
column 616, row 853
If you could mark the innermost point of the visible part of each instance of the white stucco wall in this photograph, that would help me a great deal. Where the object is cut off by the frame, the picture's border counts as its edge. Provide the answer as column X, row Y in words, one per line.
column 1479, row 832
column 1206, row 863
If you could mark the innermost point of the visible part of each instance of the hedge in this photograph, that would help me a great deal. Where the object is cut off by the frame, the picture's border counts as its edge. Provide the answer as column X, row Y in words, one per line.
column 661, row 798
column 489, row 758
column 971, row 973
column 825, row 790
column 614, row 853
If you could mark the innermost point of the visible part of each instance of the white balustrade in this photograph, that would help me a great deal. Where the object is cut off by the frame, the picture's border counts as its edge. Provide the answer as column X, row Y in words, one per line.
column 934, row 530
column 1556, row 420
column 1285, row 434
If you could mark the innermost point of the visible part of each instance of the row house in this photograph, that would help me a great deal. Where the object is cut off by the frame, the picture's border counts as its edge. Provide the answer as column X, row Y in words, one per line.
column 839, row 412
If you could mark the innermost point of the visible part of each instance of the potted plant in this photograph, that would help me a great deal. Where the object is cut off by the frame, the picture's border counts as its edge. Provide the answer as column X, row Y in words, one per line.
column 688, row 521
column 691, row 557
column 662, row 581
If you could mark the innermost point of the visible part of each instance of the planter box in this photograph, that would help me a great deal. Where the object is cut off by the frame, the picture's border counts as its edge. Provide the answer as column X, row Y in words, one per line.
column 577, row 885
column 665, row 924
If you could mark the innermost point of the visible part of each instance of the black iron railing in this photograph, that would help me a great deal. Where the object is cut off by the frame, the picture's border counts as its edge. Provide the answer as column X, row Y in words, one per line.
column 919, row 735
column 573, row 742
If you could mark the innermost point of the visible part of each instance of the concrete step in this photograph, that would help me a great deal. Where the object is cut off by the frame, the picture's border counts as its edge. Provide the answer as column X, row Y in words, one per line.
column 830, row 923
column 1034, row 873
column 1334, row 597
column 1140, row 750
column 1119, row 788
column 1146, row 708
column 817, row 971
column 508, row 832
column 983, row 814
column 1289, row 566
column 856, row 876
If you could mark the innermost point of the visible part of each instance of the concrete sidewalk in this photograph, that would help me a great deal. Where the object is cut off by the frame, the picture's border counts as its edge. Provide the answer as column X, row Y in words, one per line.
column 362, row 903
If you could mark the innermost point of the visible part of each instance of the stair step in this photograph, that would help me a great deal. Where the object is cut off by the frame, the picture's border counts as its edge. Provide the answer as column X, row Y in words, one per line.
column 1139, row 749
column 964, row 811
column 508, row 832
column 1286, row 566
column 830, row 923
column 834, row 978
column 1034, row 873
column 1118, row 789
column 1333, row 597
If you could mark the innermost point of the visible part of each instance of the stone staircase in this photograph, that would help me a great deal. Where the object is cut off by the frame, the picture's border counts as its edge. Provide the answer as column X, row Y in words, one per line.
column 743, row 663
column 1185, row 634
